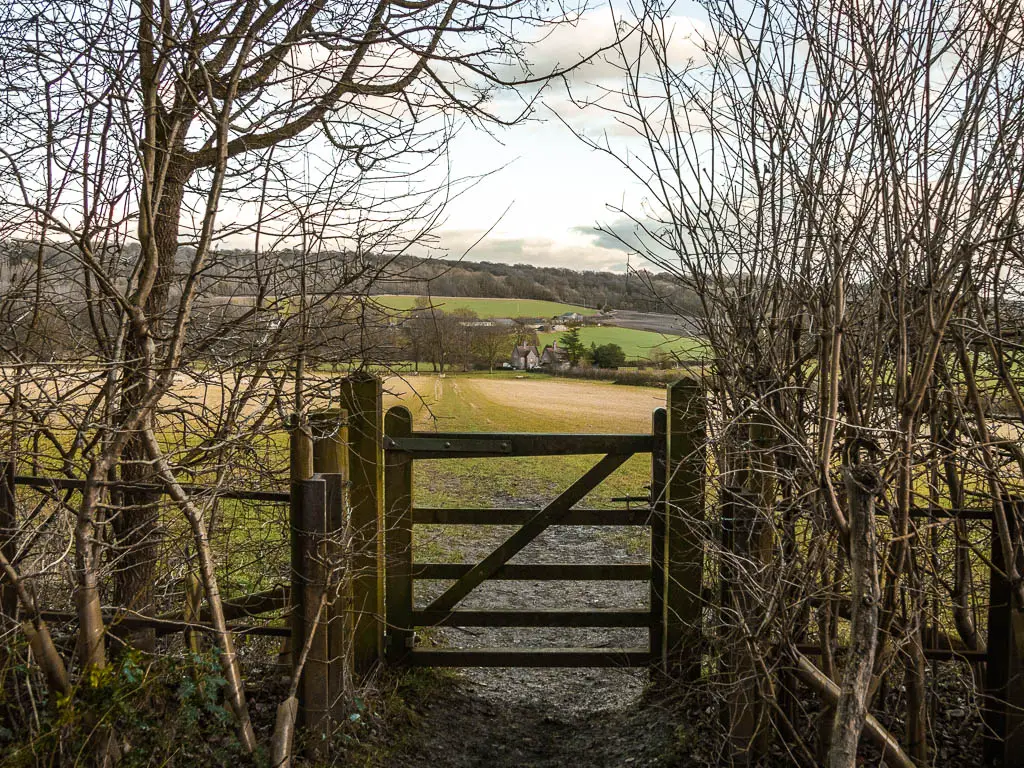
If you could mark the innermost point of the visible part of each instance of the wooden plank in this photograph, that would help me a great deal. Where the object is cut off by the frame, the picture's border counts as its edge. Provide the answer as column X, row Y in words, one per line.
column 659, row 478
column 684, row 511
column 432, row 445
column 539, row 571
column 512, row 516
column 939, row 654
column 530, row 657
column 398, row 539
column 166, row 626
column 243, row 606
column 1003, row 711
column 534, row 618
column 74, row 483
column 361, row 397
column 515, row 543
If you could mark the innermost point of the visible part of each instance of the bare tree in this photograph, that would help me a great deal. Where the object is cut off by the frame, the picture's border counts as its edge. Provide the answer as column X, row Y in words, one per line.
column 840, row 183
column 141, row 144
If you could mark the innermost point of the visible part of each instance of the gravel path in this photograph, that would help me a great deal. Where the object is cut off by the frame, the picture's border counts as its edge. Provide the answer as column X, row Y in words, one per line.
column 505, row 718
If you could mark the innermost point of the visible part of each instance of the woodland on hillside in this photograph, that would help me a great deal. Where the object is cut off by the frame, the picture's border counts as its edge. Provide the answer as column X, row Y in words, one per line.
column 234, row 274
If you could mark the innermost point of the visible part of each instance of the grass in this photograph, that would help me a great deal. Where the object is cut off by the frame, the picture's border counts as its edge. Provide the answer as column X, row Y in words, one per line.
column 636, row 344
column 487, row 307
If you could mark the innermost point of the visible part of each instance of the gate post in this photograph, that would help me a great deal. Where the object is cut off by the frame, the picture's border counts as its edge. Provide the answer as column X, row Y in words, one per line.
column 659, row 476
column 684, row 514
column 1004, row 670
column 398, row 538
column 361, row 396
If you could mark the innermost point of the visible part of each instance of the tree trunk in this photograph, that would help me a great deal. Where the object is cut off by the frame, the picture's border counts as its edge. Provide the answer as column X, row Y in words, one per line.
column 851, row 709
column 136, row 527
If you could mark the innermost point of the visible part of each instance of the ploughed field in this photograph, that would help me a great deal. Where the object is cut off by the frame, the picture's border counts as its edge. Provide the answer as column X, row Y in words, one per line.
column 499, row 403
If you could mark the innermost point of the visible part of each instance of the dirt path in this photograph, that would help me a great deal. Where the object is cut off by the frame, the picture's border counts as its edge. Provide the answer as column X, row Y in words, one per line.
column 520, row 718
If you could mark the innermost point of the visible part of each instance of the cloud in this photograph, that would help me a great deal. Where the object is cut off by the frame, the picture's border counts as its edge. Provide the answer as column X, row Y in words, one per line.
column 569, row 44
column 582, row 253
column 625, row 235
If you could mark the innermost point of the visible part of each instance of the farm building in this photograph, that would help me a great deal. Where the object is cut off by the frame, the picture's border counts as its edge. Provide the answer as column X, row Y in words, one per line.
column 525, row 357
column 554, row 356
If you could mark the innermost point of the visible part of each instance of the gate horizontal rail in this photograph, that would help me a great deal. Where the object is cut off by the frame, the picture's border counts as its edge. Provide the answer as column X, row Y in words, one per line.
column 537, row 617
column 539, row 571
column 530, row 657
column 464, row 445
column 521, row 515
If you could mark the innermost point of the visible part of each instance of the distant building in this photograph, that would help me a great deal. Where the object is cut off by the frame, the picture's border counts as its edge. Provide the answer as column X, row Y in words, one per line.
column 555, row 357
column 525, row 357
column 534, row 323
column 569, row 317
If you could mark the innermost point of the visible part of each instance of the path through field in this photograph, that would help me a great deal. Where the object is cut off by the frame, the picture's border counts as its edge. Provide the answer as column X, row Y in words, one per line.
column 516, row 718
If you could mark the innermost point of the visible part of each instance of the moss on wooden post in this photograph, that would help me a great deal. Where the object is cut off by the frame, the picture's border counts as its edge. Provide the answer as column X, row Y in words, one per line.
column 684, row 515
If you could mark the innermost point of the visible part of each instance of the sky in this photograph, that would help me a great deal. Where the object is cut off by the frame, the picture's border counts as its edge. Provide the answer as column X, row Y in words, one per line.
column 548, row 189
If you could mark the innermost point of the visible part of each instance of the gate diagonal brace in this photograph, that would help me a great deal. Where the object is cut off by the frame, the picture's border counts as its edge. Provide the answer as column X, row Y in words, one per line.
column 515, row 543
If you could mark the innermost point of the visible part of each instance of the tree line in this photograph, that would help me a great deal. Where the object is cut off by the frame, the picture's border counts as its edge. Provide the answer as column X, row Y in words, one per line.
column 233, row 273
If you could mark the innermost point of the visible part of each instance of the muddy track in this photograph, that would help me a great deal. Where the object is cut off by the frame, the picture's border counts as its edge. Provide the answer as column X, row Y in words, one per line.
column 502, row 718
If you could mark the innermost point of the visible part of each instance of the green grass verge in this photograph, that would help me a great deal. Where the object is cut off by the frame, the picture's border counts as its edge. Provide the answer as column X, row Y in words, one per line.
column 636, row 344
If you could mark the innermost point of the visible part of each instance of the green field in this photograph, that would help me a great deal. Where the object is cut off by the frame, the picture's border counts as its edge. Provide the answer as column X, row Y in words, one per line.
column 634, row 343
column 487, row 307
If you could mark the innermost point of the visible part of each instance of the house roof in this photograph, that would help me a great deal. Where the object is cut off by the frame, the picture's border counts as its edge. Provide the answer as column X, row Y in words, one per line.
column 556, row 351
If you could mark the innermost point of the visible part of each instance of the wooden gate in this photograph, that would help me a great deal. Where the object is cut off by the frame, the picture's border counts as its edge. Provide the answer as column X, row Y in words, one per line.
column 403, row 447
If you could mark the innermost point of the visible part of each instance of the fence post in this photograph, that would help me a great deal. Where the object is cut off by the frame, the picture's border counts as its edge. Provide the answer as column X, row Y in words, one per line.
column 684, row 514
column 329, row 433
column 338, row 611
column 300, row 467
column 743, row 531
column 193, row 610
column 398, row 538
column 1004, row 670
column 362, row 398
column 659, row 476
column 309, row 582
column 8, row 528
column 329, row 430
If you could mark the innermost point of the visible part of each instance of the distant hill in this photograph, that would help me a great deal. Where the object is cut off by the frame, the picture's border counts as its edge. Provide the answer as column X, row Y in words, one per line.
column 232, row 273
column 639, row 291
